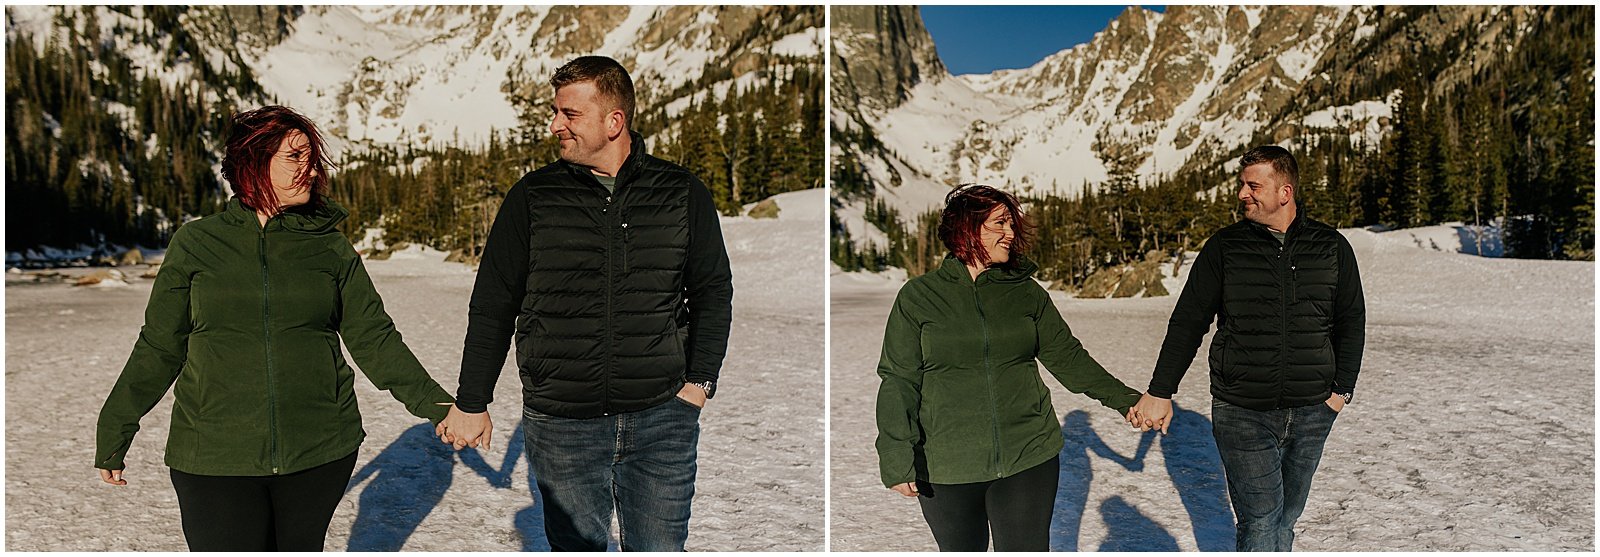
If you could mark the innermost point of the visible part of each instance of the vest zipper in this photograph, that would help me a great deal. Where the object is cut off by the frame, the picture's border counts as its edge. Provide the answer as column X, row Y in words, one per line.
column 266, row 327
column 1283, row 316
column 988, row 371
column 611, row 326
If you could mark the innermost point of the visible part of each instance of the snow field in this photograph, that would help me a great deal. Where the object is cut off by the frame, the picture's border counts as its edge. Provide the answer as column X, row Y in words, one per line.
column 759, row 484
column 1472, row 427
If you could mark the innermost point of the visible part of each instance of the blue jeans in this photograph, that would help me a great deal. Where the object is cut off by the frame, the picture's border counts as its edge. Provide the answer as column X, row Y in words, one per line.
column 639, row 464
column 1269, row 457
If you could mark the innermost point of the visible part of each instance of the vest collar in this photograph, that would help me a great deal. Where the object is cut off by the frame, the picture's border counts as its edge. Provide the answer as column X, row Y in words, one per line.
column 630, row 165
column 1293, row 229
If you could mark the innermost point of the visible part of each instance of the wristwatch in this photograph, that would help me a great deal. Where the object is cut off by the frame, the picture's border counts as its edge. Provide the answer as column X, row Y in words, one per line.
column 710, row 387
column 1347, row 396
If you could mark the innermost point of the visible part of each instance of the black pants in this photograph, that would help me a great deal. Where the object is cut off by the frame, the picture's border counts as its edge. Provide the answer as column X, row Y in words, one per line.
column 1016, row 509
column 261, row 513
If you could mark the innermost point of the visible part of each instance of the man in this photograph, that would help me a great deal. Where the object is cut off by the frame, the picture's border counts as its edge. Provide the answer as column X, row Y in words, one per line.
column 1290, row 325
column 609, row 266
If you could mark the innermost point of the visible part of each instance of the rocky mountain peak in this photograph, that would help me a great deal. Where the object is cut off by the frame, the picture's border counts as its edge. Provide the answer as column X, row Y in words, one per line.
column 879, row 54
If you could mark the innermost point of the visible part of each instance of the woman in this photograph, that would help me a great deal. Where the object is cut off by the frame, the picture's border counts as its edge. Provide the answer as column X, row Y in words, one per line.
column 964, row 421
column 245, row 316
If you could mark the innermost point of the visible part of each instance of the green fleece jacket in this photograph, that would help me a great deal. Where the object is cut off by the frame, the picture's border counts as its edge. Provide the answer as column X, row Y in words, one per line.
column 246, row 320
column 962, row 400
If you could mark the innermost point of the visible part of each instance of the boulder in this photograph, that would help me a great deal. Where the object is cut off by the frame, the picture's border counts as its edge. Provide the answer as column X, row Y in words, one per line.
column 150, row 272
column 131, row 257
column 1131, row 284
column 103, row 277
column 383, row 254
column 766, row 209
column 1101, row 283
column 1126, row 281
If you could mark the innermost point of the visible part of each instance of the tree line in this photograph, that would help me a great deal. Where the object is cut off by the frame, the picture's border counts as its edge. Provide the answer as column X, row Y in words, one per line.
column 753, row 143
column 100, row 154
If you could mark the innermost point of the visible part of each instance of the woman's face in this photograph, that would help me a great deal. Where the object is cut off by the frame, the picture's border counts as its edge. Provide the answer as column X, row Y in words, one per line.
column 997, row 234
column 293, row 158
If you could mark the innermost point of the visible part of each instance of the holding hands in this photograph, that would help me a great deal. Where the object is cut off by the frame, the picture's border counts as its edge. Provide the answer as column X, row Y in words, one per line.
column 461, row 429
column 1151, row 412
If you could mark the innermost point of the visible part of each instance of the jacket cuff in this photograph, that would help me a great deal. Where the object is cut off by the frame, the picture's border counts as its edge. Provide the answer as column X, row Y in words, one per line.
column 891, row 479
column 1123, row 403
column 113, row 462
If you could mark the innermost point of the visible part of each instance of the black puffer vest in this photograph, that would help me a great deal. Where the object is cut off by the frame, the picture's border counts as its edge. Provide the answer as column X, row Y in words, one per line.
column 1273, row 347
column 601, row 328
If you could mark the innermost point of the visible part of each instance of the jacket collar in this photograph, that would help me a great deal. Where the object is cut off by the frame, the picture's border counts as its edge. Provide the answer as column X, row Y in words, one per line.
column 304, row 219
column 953, row 269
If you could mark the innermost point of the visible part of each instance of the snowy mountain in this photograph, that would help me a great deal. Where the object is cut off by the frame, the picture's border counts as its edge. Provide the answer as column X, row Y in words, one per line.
column 430, row 75
column 1151, row 95
column 116, row 116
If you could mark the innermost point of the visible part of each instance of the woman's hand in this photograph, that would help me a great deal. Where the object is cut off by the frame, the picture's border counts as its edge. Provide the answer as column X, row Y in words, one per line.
column 113, row 477
column 1152, row 412
column 461, row 429
column 908, row 489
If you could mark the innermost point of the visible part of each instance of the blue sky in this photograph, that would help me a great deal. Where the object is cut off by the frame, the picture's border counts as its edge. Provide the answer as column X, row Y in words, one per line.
column 982, row 39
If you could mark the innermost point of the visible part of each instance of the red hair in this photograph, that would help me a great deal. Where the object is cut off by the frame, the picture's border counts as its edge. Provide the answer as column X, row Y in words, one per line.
column 966, row 208
column 254, row 140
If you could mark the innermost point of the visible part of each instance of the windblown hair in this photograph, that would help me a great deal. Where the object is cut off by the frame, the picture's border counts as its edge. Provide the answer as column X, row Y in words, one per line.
column 1281, row 160
column 961, row 225
column 254, row 140
column 608, row 76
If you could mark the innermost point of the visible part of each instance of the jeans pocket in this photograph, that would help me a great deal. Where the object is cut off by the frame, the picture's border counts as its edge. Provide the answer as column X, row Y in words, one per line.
column 686, row 403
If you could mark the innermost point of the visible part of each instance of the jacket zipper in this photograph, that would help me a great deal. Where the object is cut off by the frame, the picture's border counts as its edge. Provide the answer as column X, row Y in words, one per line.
column 266, row 327
column 988, row 370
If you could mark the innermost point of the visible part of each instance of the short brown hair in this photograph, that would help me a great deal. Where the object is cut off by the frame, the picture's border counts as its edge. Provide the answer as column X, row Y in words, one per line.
column 961, row 225
column 609, row 77
column 1281, row 160
column 254, row 140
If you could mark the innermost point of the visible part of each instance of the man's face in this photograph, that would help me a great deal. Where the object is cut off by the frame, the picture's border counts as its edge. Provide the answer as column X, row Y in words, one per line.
column 1264, row 193
column 580, row 122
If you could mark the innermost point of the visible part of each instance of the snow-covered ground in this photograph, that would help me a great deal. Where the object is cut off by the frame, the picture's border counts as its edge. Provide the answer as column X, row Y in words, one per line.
column 1472, row 428
column 760, row 484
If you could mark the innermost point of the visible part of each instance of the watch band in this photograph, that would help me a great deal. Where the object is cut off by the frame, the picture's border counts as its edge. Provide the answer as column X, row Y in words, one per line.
column 710, row 387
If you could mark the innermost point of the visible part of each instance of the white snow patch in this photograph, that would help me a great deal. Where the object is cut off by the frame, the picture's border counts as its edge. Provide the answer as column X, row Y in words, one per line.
column 804, row 43
column 863, row 235
column 803, row 205
column 1360, row 119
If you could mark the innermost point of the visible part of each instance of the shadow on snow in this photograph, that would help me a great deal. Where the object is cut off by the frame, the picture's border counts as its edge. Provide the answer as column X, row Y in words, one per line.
column 410, row 477
column 1191, row 463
